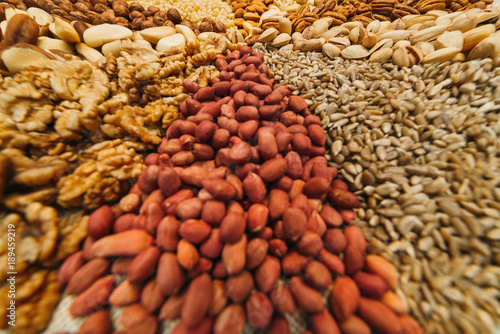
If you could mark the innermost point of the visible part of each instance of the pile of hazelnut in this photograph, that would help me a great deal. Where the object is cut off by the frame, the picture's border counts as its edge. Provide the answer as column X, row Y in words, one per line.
column 128, row 14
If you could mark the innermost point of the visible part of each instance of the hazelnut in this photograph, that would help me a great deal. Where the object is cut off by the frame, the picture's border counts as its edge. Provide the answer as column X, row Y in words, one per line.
column 121, row 9
column 66, row 7
column 29, row 3
column 121, row 21
column 21, row 29
column 95, row 2
column 169, row 23
column 135, row 6
column 136, row 23
column 196, row 31
column 147, row 13
column 220, row 27
column 205, row 27
column 153, row 9
column 78, row 16
column 100, row 8
column 147, row 24
column 186, row 23
column 174, row 15
column 135, row 15
column 59, row 12
column 209, row 20
column 160, row 18
column 110, row 13
column 81, row 7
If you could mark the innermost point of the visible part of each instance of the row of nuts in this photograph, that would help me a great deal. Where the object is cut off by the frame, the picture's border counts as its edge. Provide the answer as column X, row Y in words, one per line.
column 232, row 202
column 128, row 14
column 407, row 41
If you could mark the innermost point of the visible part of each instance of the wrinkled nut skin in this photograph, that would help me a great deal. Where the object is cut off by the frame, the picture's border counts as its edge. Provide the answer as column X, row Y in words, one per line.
column 21, row 29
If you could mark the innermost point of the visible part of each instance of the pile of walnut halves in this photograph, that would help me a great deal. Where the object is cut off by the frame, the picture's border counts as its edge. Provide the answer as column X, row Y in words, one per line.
column 72, row 135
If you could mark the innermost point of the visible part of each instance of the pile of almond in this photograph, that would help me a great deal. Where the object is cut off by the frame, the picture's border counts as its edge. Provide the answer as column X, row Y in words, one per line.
column 229, row 225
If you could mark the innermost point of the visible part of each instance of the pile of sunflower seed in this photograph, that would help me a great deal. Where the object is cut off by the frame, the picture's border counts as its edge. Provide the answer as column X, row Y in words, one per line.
column 420, row 147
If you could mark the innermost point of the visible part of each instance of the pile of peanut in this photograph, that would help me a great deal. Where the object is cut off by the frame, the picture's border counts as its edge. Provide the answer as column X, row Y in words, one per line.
column 228, row 225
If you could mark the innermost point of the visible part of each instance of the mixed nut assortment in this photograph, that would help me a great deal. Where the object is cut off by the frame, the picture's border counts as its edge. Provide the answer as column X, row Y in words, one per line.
column 201, row 229
column 242, row 218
